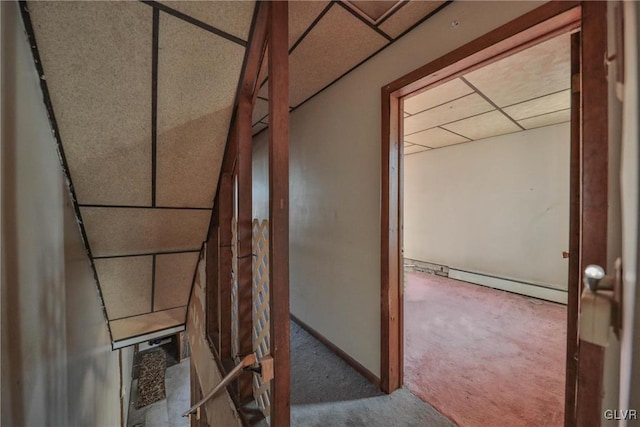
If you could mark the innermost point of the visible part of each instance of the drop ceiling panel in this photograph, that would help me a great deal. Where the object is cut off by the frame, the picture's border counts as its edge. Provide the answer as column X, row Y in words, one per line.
column 257, row 128
column 544, row 105
column 189, row 159
column 518, row 77
column 483, row 126
column 260, row 110
column 373, row 10
column 437, row 96
column 435, row 138
column 415, row 149
column 337, row 43
column 233, row 17
column 125, row 285
column 174, row 274
column 546, row 119
column 407, row 16
column 461, row 108
column 97, row 61
column 128, row 231
column 146, row 323
column 197, row 79
column 301, row 15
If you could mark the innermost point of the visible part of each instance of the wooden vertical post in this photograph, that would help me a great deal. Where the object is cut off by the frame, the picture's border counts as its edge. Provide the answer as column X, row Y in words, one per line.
column 279, row 210
column 225, row 202
column 245, row 247
column 213, row 309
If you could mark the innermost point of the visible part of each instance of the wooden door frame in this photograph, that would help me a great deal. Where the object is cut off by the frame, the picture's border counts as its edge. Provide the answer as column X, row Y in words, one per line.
column 589, row 237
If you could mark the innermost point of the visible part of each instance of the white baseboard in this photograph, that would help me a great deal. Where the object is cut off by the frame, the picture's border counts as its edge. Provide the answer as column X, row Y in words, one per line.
column 531, row 290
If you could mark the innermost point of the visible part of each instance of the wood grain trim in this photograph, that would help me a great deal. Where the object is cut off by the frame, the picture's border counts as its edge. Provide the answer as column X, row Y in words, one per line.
column 595, row 161
column 245, row 235
column 279, row 211
column 370, row 376
column 573, row 295
column 225, row 202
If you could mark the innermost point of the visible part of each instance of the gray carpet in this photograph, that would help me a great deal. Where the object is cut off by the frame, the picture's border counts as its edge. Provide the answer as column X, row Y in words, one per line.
column 325, row 391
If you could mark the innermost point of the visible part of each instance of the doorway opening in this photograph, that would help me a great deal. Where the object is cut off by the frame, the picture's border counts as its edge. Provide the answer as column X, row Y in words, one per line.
column 586, row 21
column 485, row 239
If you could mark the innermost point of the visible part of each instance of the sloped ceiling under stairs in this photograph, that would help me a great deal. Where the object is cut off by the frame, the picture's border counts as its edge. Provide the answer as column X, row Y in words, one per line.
column 143, row 94
column 143, row 97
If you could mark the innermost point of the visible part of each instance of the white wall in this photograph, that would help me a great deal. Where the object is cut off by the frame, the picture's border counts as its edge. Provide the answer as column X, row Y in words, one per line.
column 498, row 206
column 57, row 364
column 335, row 181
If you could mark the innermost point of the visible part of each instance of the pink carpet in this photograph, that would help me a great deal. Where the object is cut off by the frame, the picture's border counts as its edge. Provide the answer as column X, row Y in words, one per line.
column 483, row 357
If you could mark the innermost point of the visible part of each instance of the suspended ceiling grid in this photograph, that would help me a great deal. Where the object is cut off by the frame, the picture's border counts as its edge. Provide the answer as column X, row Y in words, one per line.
column 143, row 96
column 328, row 39
column 527, row 90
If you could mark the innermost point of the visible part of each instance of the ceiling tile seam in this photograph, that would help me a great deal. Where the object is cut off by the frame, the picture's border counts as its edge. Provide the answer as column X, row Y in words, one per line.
column 192, row 208
column 366, row 22
column 545, row 114
column 28, row 25
column 210, row 28
column 395, row 9
column 458, row 134
column 150, row 332
column 537, row 97
column 154, row 102
column 429, row 15
column 439, row 105
column 452, row 145
column 420, row 145
column 373, row 21
column 306, row 32
column 147, row 312
column 185, row 251
column 153, row 281
column 448, row 123
column 309, row 28
column 486, row 98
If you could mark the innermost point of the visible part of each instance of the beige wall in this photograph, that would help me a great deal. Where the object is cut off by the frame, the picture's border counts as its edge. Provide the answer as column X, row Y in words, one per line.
column 498, row 206
column 335, row 181
column 58, row 367
column 220, row 410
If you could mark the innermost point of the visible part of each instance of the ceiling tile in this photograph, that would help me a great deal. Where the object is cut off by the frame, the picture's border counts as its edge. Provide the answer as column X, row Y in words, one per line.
column 233, row 17
column 125, row 284
column 373, row 10
column 407, row 16
column 546, row 119
column 534, row 72
column 544, row 105
column 257, row 128
column 127, row 231
column 337, row 43
column 196, row 91
column 260, row 110
column 97, row 61
column 455, row 110
column 436, row 96
column 415, row 149
column 174, row 274
column 301, row 15
column 483, row 126
column 147, row 323
column 435, row 138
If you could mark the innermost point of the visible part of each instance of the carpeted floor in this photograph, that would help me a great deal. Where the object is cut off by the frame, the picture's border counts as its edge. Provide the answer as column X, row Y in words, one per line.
column 484, row 357
column 325, row 391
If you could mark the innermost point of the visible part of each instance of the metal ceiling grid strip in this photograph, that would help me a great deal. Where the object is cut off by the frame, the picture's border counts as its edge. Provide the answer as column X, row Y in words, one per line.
column 195, row 22
column 154, row 103
column 26, row 19
column 393, row 11
column 91, row 205
column 148, row 312
column 366, row 21
column 147, row 254
column 444, row 124
column 153, row 282
column 486, row 98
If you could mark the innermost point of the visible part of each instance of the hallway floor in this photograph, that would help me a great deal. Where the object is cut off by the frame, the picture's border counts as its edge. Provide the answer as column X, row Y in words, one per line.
column 325, row 391
column 166, row 412
column 484, row 357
